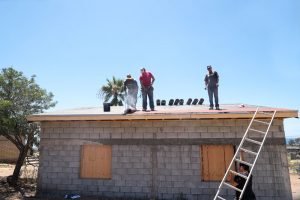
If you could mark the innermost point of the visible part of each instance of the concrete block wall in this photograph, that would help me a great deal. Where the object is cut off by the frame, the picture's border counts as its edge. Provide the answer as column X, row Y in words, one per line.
column 8, row 151
column 160, row 159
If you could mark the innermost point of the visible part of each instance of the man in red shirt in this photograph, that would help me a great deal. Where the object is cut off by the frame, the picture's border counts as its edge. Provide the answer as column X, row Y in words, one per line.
column 147, row 80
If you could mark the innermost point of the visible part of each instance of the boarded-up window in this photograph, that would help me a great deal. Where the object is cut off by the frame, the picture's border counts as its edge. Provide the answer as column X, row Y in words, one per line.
column 215, row 160
column 96, row 161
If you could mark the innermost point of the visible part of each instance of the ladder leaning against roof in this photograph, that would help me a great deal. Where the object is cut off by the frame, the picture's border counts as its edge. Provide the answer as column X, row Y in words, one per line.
column 240, row 148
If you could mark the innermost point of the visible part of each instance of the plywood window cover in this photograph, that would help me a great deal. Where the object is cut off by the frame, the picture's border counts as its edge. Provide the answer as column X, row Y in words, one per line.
column 96, row 161
column 215, row 160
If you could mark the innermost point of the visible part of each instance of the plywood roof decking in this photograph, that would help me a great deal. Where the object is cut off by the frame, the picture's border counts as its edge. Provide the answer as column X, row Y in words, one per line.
column 161, row 113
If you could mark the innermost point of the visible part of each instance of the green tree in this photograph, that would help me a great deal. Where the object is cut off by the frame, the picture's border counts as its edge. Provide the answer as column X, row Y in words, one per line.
column 20, row 97
column 113, row 91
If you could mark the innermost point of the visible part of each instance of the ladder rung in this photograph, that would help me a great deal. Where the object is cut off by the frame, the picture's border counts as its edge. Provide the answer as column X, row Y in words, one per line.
column 239, row 174
column 221, row 198
column 248, row 151
column 265, row 113
column 244, row 162
column 253, row 141
column 251, row 129
column 231, row 186
column 261, row 122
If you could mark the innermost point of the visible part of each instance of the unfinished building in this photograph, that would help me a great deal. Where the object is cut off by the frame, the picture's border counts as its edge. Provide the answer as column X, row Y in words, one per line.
column 173, row 152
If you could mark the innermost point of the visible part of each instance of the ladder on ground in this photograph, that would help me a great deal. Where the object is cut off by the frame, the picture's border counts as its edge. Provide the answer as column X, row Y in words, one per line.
column 268, row 115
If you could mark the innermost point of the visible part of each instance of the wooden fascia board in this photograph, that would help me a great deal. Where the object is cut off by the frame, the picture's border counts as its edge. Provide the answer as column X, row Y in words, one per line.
column 40, row 118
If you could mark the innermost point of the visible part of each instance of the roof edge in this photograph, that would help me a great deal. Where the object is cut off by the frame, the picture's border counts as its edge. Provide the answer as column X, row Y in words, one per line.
column 165, row 116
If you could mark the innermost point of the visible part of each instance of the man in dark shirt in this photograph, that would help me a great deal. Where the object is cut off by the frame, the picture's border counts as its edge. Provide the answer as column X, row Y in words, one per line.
column 147, row 80
column 248, row 194
column 131, row 91
column 211, row 84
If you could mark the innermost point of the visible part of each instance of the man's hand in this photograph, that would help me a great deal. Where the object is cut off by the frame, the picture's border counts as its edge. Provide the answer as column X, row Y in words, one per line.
column 217, row 84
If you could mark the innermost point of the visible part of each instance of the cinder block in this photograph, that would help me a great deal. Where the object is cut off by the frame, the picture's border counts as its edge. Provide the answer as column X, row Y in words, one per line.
column 98, row 130
column 225, row 129
column 120, row 183
column 84, row 124
column 194, row 135
column 116, row 135
column 213, row 129
column 148, row 135
column 143, row 124
column 136, row 189
column 146, row 189
column 94, row 135
column 187, row 172
column 205, row 135
column 103, row 124
column 105, row 135
column 189, row 123
column 54, row 135
column 180, row 191
column 167, row 196
column 126, row 135
column 146, row 130
column 138, row 165
column 44, row 135
column 161, row 135
column 126, row 124
column 171, row 135
column 278, row 134
column 84, row 135
column 129, row 130
column 115, row 124
column 172, row 129
column 217, row 135
column 138, row 135
column 229, row 122
column 130, row 183
column 159, row 124
column 182, row 135
column 178, row 184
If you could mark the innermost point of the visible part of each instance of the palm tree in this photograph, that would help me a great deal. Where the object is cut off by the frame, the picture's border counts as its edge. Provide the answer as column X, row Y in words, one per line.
column 113, row 90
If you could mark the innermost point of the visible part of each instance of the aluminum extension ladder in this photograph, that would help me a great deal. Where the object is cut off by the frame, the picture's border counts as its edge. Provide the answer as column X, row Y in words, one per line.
column 240, row 148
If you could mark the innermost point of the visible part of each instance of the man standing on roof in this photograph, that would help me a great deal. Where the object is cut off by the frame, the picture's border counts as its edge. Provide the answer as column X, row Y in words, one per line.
column 212, row 84
column 131, row 91
column 147, row 80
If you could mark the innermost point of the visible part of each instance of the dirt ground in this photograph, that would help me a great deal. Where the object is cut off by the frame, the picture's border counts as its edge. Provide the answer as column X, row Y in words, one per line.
column 295, row 184
column 28, row 189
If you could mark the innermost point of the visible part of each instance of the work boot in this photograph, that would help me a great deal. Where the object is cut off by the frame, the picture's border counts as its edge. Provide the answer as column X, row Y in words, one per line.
column 217, row 108
column 211, row 108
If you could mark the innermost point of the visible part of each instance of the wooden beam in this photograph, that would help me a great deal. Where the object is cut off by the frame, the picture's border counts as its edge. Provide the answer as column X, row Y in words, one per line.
column 157, row 116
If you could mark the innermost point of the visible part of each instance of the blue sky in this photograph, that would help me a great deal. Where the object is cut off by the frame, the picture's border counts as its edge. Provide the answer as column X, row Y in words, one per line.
column 73, row 46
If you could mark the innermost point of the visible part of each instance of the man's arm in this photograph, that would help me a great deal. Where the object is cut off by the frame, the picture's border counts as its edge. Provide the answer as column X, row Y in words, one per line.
column 217, row 77
column 206, row 81
column 153, row 79
column 142, row 86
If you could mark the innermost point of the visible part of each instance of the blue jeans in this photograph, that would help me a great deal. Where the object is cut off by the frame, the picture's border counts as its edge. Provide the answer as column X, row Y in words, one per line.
column 147, row 92
column 131, row 99
column 213, row 92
